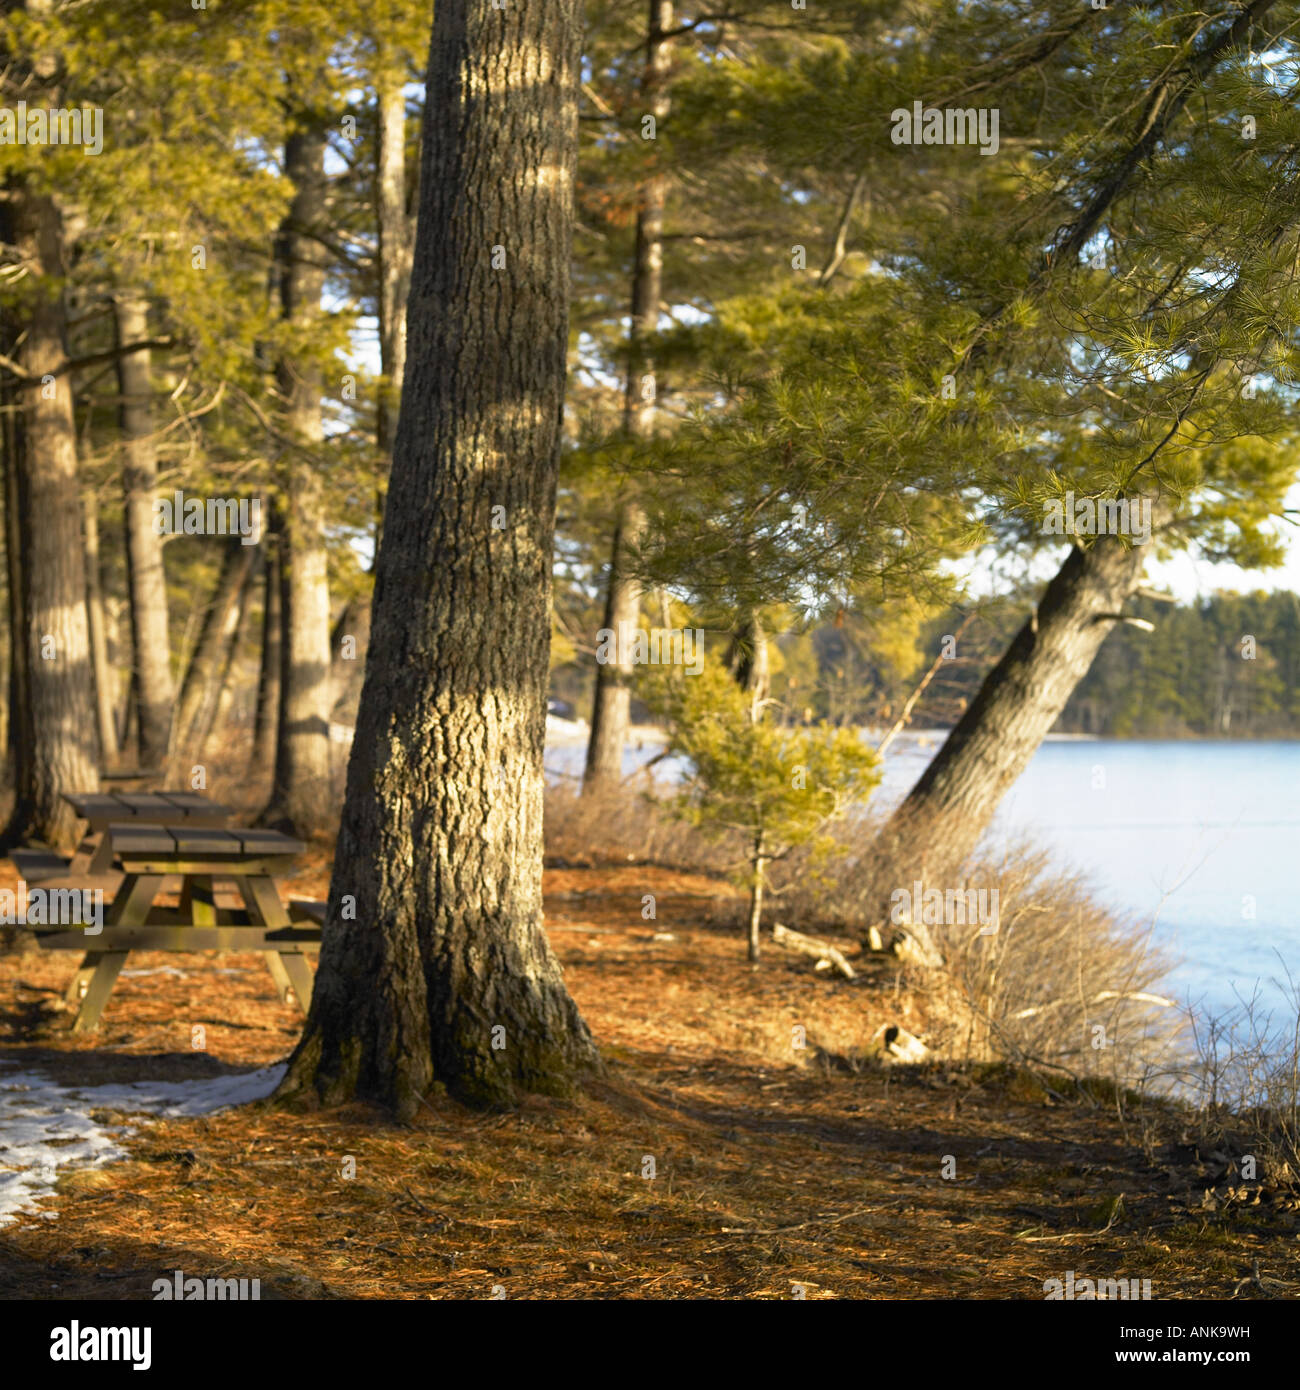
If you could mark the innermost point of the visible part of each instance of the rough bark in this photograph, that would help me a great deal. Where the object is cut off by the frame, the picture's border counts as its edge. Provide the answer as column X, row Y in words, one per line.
column 153, row 687
column 433, row 946
column 301, row 786
column 56, row 699
column 611, row 704
column 105, row 704
column 942, row 818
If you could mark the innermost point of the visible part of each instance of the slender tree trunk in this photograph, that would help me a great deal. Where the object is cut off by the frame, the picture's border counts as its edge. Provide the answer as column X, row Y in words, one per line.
column 612, row 702
column 756, row 902
column 434, row 963
column 301, row 793
column 204, row 670
column 611, row 705
column 396, row 244
column 153, row 688
column 943, row 817
column 104, row 682
column 216, row 708
column 19, row 740
column 267, row 717
column 57, row 699
column 348, row 644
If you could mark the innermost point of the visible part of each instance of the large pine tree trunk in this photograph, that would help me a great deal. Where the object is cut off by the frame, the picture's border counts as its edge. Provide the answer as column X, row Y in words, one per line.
column 57, row 697
column 942, row 818
column 611, row 704
column 300, row 790
column 153, row 689
column 434, row 963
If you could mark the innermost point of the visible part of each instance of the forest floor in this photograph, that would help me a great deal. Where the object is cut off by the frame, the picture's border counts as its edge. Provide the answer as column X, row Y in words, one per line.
column 771, row 1167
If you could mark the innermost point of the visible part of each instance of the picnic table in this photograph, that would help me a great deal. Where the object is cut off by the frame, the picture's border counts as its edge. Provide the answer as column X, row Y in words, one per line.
column 94, row 858
column 151, row 853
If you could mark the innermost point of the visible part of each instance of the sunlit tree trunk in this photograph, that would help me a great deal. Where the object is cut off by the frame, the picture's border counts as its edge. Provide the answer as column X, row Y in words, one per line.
column 434, row 963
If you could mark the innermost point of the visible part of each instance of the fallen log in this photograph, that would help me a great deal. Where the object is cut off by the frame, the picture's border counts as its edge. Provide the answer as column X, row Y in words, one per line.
column 826, row 955
column 895, row 1044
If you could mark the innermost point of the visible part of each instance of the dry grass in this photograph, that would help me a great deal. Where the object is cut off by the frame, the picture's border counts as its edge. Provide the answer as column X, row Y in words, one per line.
column 1054, row 988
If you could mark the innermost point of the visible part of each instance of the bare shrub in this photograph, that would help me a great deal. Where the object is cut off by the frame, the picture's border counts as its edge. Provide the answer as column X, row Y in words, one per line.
column 1245, row 1086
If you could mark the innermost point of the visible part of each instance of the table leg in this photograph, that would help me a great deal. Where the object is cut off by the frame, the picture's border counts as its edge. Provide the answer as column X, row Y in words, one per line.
column 199, row 898
column 294, row 964
column 130, row 907
column 280, row 975
column 102, row 863
column 79, row 983
column 289, row 969
column 263, row 901
column 101, row 986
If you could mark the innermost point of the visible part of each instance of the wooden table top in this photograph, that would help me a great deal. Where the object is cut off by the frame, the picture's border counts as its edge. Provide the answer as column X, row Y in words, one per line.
column 153, row 841
column 159, row 808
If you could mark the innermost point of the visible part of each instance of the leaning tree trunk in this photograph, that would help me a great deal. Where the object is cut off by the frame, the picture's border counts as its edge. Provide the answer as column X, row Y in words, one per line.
column 203, row 673
column 611, row 704
column 215, row 711
column 105, row 704
column 434, row 964
column 301, row 793
column 153, row 687
column 57, row 697
column 942, row 818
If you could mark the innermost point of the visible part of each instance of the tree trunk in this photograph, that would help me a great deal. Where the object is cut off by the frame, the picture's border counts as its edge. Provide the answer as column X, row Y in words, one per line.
column 105, row 704
column 756, row 904
column 301, row 792
column 747, row 659
column 395, row 249
column 267, row 718
column 611, row 705
column 204, row 670
column 19, row 734
column 434, row 963
column 349, row 658
column 610, row 712
column 215, row 708
column 56, row 701
column 153, row 688
column 943, row 817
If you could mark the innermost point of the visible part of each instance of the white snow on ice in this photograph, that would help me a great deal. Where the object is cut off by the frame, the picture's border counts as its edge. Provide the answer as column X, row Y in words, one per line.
column 45, row 1126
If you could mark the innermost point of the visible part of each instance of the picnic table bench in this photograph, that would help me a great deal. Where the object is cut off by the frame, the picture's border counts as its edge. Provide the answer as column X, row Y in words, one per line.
column 149, row 854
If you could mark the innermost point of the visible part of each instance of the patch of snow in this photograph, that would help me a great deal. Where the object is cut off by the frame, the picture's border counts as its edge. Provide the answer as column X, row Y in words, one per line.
column 45, row 1126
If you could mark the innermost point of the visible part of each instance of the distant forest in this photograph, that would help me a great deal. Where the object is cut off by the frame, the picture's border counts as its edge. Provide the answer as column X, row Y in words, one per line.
column 1192, row 676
